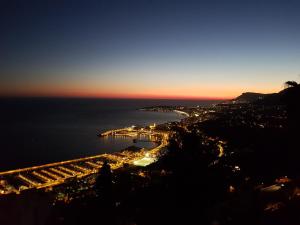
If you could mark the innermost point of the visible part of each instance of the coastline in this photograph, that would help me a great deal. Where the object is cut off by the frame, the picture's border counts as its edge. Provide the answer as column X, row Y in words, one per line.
column 182, row 112
column 43, row 131
column 53, row 174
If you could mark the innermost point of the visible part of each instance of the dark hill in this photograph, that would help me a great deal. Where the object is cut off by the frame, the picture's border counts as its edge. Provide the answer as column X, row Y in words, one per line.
column 268, row 99
column 249, row 97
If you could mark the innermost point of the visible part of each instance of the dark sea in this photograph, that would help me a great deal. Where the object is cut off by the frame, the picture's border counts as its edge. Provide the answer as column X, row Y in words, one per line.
column 35, row 131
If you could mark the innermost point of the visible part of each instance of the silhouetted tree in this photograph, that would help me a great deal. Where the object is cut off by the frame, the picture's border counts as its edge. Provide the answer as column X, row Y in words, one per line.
column 291, row 100
column 290, row 84
column 104, row 183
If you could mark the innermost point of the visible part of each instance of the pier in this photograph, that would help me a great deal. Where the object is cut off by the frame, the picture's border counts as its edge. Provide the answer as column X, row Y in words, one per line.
column 52, row 174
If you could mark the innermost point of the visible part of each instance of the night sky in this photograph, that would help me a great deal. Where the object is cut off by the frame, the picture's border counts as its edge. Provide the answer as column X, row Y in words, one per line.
column 148, row 49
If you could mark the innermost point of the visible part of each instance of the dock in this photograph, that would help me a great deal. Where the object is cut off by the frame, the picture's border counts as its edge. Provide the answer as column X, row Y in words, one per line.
column 52, row 174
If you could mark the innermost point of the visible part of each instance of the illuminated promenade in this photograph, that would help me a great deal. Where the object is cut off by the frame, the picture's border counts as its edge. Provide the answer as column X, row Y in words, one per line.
column 48, row 175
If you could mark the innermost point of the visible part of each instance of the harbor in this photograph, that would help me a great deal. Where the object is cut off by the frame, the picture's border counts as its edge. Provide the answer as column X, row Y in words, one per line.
column 52, row 174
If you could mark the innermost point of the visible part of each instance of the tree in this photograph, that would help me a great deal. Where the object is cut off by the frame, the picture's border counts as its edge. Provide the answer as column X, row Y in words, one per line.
column 290, row 84
column 104, row 183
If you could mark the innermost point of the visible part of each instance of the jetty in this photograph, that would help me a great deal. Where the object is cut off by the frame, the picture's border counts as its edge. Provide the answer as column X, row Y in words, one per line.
column 52, row 174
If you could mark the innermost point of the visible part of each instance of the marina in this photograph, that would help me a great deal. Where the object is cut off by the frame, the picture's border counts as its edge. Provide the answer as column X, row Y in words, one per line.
column 52, row 174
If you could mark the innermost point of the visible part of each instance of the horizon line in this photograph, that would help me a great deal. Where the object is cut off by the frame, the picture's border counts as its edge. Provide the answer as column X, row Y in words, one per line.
column 120, row 97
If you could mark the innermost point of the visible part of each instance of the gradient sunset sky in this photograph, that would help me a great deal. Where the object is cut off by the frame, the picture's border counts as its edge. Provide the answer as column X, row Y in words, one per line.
column 148, row 49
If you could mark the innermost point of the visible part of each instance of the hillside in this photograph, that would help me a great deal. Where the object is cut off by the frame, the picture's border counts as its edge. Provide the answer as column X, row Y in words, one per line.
column 249, row 97
column 267, row 99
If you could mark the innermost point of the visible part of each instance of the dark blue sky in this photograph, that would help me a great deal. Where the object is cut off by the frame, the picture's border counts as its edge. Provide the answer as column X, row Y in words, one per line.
column 111, row 48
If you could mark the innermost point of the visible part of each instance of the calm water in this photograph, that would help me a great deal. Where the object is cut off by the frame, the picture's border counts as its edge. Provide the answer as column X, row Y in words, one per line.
column 36, row 131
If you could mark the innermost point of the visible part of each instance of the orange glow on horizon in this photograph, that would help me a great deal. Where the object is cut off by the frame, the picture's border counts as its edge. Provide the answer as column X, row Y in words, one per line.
column 115, row 96
column 133, row 91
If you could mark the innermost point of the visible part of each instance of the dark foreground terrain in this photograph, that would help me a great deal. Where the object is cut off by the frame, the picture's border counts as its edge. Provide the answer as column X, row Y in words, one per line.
column 233, row 163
